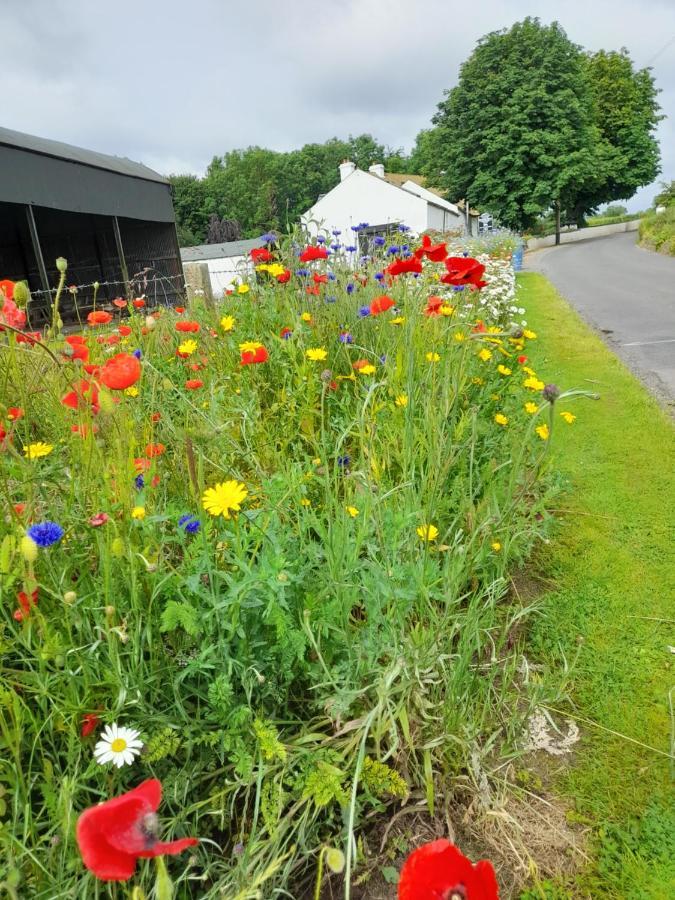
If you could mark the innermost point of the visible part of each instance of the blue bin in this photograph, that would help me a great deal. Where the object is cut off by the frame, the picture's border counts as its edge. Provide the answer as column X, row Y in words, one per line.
column 517, row 258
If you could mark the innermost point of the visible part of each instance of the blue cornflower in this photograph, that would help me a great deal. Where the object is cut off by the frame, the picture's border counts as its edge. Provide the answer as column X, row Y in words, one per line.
column 379, row 276
column 355, row 227
column 364, row 259
column 343, row 461
column 393, row 249
column 364, row 311
column 406, row 254
column 350, row 249
column 405, row 248
column 331, row 298
column 383, row 358
column 335, row 246
column 465, row 253
column 332, row 276
column 320, row 239
column 189, row 524
column 379, row 241
column 139, row 482
column 44, row 534
column 351, row 288
column 336, row 232
column 363, row 224
column 345, row 338
column 458, row 287
column 302, row 273
column 268, row 238
column 403, row 228
column 138, row 354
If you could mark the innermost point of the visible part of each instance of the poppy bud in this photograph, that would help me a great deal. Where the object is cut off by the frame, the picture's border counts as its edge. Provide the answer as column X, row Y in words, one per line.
column 110, row 611
column 335, row 859
column 551, row 393
column 21, row 294
column 69, row 597
column 117, row 547
column 326, row 375
column 29, row 549
column 62, row 265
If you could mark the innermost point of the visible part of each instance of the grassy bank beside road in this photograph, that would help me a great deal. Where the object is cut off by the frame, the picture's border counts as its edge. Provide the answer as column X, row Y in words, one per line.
column 609, row 609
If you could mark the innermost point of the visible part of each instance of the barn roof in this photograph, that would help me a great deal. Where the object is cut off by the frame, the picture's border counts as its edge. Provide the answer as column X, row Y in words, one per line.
column 59, row 150
column 46, row 173
column 219, row 251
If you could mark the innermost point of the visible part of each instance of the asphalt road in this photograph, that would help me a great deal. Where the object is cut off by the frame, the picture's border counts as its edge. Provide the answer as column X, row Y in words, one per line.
column 628, row 294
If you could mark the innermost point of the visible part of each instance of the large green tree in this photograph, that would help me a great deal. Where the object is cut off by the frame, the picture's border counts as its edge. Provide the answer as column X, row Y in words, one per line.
column 516, row 135
column 625, row 113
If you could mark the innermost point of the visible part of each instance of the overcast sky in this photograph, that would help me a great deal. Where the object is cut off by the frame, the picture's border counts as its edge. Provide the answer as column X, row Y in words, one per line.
column 173, row 84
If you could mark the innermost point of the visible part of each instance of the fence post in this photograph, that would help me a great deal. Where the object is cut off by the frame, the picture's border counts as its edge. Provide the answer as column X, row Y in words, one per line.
column 198, row 283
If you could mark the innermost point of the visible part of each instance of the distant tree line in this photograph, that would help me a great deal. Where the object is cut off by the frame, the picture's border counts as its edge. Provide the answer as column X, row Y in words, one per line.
column 535, row 126
column 247, row 192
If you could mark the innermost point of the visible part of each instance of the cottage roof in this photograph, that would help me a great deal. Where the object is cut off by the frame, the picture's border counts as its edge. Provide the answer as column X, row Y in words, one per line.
column 204, row 252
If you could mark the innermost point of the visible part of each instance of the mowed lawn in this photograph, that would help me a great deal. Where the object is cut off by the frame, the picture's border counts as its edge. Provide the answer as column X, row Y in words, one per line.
column 609, row 604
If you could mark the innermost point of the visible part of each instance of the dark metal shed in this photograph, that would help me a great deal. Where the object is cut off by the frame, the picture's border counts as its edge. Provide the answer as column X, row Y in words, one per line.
column 111, row 218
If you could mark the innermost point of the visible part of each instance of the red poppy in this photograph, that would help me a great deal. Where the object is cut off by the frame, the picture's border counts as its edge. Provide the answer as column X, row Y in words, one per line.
column 360, row 363
column 113, row 835
column 141, row 464
column 433, row 252
column 193, row 384
column 90, row 722
column 401, row 266
column 99, row 519
column 179, row 309
column 155, row 417
column 85, row 393
column 29, row 337
column 91, row 369
column 249, row 357
column 464, row 270
column 186, row 325
column 311, row 253
column 77, row 349
column 284, row 276
column 19, row 508
column 7, row 288
column 112, row 340
column 11, row 315
column 124, row 330
column 479, row 327
column 152, row 450
column 120, row 372
column 154, row 481
column 381, row 304
column 26, row 601
column 319, row 279
column 139, row 303
column 14, row 413
column 316, row 290
column 522, row 360
column 261, row 255
column 119, row 302
column 433, row 307
column 99, row 317
column 286, row 332
column 438, row 870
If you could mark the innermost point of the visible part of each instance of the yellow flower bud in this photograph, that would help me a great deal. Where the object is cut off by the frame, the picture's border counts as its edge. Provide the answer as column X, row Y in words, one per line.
column 29, row 549
column 69, row 597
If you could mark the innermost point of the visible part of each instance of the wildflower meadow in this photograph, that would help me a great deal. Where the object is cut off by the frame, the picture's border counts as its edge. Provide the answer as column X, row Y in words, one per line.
column 255, row 571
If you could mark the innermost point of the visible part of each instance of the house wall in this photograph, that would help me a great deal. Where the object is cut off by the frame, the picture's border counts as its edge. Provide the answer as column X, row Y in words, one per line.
column 444, row 220
column 226, row 271
column 362, row 197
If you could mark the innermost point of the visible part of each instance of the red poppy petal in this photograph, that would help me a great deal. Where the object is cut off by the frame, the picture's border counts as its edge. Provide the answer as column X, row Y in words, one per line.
column 170, row 847
column 106, row 863
column 436, row 868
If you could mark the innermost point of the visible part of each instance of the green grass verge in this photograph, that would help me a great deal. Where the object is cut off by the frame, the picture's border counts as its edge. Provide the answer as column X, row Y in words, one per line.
column 611, row 611
column 657, row 231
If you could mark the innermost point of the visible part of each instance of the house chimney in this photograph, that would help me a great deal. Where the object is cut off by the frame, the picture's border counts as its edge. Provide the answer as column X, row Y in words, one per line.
column 377, row 169
column 346, row 169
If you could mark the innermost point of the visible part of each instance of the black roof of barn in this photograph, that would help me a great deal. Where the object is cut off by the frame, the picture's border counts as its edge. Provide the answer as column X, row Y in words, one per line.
column 59, row 176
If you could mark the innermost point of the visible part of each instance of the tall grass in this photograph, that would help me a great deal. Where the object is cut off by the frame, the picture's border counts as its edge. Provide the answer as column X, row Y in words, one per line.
column 298, row 669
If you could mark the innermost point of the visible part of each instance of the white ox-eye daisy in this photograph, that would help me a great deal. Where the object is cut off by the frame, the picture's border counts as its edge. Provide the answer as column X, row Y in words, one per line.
column 118, row 745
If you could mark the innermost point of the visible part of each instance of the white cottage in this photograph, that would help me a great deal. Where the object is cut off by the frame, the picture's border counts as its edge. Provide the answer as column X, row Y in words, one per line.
column 383, row 200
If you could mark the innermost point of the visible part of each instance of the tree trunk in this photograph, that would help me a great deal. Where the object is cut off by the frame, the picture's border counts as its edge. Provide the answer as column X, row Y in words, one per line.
column 557, row 222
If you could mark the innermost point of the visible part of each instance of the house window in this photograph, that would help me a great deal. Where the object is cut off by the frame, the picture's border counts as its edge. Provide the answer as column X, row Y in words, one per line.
column 367, row 234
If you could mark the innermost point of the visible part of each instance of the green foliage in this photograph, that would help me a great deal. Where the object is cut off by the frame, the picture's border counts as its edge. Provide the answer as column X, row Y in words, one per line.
column 666, row 195
column 516, row 132
column 657, row 230
column 180, row 615
column 534, row 120
column 381, row 779
column 614, row 210
column 162, row 744
column 325, row 784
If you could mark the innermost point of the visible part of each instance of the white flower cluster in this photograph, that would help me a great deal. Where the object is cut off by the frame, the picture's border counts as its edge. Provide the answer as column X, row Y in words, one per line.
column 498, row 297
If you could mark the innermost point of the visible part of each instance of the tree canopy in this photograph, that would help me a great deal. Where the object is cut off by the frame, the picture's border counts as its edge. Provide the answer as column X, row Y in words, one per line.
column 535, row 121
column 263, row 189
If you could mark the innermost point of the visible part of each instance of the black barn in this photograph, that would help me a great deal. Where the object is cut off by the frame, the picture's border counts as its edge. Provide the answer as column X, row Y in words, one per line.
column 111, row 218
